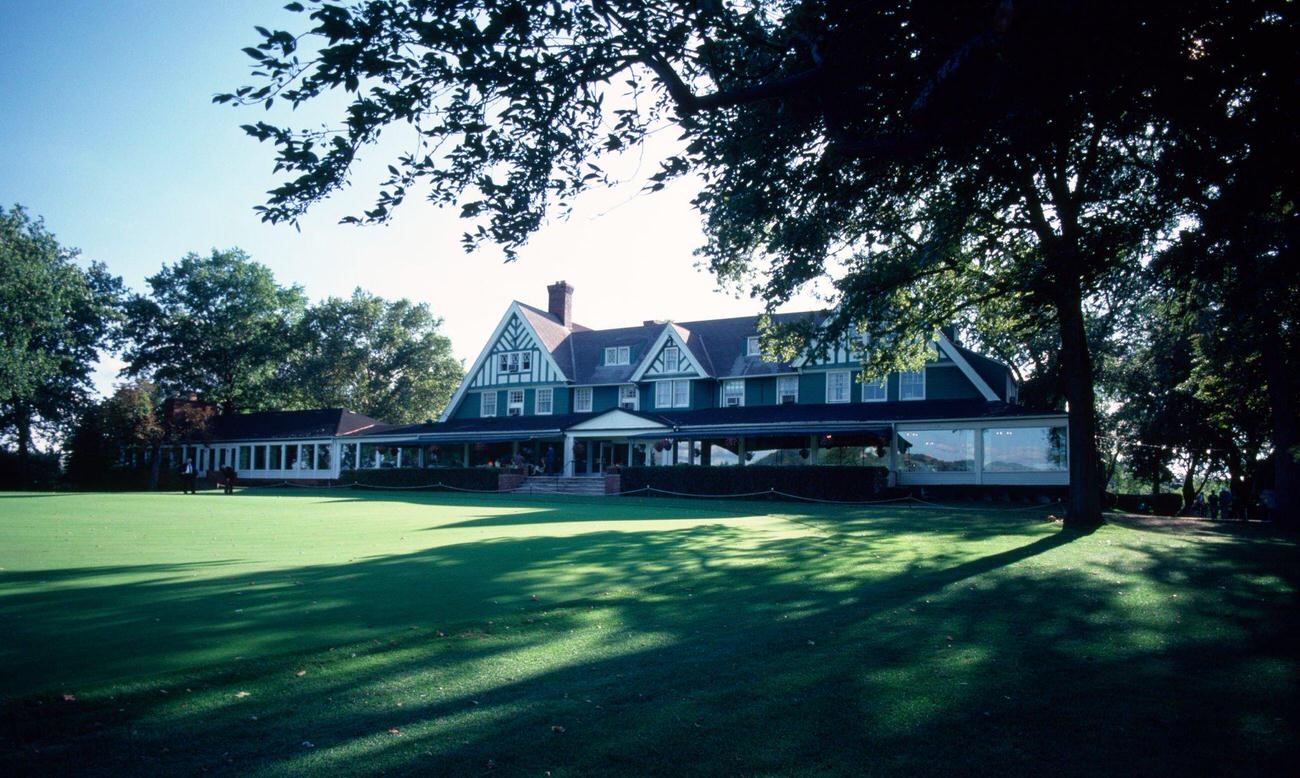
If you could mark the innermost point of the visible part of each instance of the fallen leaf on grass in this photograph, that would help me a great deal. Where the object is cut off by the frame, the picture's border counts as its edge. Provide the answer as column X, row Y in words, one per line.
column 394, row 731
column 557, row 729
column 69, row 698
column 300, row 673
column 241, row 694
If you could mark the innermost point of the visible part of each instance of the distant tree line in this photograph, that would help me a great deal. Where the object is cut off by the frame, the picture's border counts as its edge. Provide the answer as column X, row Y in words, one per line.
column 218, row 326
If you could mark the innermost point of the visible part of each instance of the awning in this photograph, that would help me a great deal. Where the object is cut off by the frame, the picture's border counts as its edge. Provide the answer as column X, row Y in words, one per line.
column 768, row 430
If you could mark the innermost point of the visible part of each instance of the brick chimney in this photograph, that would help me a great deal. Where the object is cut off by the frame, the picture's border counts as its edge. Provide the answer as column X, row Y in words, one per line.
column 560, row 303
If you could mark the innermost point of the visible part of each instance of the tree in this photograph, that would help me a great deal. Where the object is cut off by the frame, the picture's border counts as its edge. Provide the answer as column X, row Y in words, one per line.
column 386, row 359
column 218, row 325
column 927, row 157
column 54, row 316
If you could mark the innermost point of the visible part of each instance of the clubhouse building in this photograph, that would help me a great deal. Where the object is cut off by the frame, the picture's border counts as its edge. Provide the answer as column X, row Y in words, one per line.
column 581, row 401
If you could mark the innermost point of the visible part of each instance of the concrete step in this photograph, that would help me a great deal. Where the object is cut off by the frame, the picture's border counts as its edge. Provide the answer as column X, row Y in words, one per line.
column 562, row 485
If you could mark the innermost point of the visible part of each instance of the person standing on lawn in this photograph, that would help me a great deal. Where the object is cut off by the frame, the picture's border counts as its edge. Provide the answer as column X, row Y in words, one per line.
column 228, row 477
column 188, row 477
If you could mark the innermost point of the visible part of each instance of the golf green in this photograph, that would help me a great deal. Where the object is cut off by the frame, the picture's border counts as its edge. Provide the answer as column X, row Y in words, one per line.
column 283, row 632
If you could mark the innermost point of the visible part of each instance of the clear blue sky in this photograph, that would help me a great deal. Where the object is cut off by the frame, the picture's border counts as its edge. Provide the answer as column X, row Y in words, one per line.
column 108, row 131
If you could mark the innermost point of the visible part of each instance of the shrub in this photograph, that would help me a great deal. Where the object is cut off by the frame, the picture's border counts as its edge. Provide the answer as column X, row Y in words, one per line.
column 824, row 483
column 477, row 478
column 42, row 471
column 1165, row 504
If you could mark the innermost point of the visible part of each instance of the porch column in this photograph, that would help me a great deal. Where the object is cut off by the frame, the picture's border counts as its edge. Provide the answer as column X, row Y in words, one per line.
column 630, row 444
column 892, row 478
column 740, row 451
column 568, row 455
column 465, row 460
column 812, row 449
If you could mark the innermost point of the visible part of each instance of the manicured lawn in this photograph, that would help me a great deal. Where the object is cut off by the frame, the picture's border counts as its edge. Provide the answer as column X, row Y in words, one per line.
column 289, row 633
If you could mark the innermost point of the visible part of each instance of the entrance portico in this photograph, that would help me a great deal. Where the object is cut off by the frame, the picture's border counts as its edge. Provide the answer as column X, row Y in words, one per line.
column 616, row 437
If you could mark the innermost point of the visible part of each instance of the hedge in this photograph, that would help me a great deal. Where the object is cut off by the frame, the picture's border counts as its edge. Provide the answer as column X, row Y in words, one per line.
column 1164, row 504
column 478, row 478
column 826, row 483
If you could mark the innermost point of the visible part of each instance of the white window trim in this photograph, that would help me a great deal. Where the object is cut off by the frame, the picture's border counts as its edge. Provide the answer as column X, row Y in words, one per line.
column 670, row 387
column 900, row 385
column 884, row 383
column 549, row 393
column 723, row 389
column 511, row 405
column 483, row 404
column 790, row 378
column 635, row 396
column 677, row 359
column 578, row 393
column 621, row 355
column 752, row 346
column 848, row 393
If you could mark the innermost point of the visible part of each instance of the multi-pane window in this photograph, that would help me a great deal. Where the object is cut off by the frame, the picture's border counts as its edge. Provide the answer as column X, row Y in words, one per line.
column 911, row 385
column 733, row 393
column 618, row 355
column 545, row 402
column 672, row 394
column 582, row 399
column 875, row 391
column 628, row 397
column 515, row 361
column 672, row 359
column 751, row 346
column 487, row 404
column 787, row 389
column 515, row 402
column 837, row 386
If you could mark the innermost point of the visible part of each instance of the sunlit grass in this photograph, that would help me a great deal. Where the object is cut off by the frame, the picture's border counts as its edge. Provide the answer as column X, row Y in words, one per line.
column 289, row 632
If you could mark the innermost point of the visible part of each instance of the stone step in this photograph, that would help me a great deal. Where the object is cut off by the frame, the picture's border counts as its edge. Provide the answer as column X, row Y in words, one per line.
column 562, row 485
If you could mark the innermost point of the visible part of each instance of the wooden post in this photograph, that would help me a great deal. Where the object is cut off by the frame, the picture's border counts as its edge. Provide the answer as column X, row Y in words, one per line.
column 813, row 448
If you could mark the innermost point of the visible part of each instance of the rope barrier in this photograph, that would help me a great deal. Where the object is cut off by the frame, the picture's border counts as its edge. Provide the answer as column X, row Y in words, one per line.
column 771, row 492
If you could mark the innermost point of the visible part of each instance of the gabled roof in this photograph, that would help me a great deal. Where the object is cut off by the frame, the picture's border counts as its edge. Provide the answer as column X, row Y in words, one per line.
column 274, row 425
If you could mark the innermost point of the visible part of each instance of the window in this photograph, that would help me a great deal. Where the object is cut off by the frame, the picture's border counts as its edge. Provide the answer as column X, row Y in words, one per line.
column 937, row 451
column 672, row 394
column 322, row 456
column 681, row 394
column 875, row 391
column 911, row 385
column 837, row 386
column 515, row 362
column 733, row 393
column 1025, row 450
column 787, row 389
column 276, row 452
column 751, row 346
column 582, row 399
column 245, row 457
column 545, row 403
column 291, row 457
column 618, row 355
column 672, row 359
column 488, row 404
column 515, row 402
column 259, row 458
column 348, row 456
column 629, row 398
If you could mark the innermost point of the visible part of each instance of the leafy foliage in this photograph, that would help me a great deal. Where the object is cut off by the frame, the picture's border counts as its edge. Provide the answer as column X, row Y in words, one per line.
column 218, row 325
column 386, row 359
column 54, row 316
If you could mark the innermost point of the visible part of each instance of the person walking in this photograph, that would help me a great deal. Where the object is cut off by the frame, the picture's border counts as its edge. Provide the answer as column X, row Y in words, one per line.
column 188, row 477
column 548, row 460
column 1214, row 506
column 1225, row 504
column 228, row 477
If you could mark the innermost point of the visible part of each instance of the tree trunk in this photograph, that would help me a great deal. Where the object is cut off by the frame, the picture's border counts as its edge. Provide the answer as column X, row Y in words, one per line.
column 1083, row 510
column 23, row 419
column 155, row 466
column 1286, row 470
column 1189, row 486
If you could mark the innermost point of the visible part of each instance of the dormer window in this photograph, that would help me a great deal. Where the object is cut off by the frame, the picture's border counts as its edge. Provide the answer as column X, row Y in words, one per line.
column 618, row 355
column 752, row 346
column 672, row 359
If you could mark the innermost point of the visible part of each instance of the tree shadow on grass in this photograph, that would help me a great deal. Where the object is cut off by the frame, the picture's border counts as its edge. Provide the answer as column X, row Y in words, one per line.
column 706, row 651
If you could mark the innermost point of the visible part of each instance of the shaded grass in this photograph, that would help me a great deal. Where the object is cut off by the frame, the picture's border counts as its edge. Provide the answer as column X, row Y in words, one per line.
column 457, row 635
